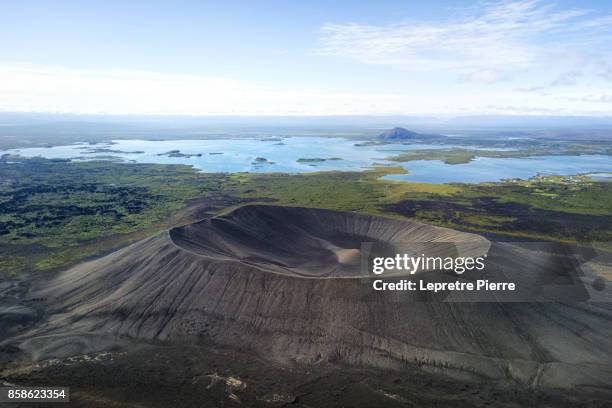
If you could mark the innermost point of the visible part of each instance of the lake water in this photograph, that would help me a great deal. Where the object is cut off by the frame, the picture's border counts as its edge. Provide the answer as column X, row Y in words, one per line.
column 241, row 155
column 494, row 169
column 601, row 176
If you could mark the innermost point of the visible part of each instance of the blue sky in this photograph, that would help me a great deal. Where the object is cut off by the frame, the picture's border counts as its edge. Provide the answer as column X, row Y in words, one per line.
column 307, row 58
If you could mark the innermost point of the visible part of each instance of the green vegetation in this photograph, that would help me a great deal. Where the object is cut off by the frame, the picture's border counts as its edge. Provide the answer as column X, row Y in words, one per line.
column 557, row 208
column 461, row 155
column 552, row 207
column 351, row 191
column 458, row 156
column 54, row 213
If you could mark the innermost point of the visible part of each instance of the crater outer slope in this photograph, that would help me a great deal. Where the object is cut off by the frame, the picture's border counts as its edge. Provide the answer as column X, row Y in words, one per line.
column 281, row 282
column 314, row 242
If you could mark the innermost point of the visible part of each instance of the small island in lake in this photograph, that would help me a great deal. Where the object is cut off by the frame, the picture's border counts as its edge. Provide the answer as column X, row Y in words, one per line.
column 177, row 153
column 259, row 161
column 96, row 150
column 317, row 159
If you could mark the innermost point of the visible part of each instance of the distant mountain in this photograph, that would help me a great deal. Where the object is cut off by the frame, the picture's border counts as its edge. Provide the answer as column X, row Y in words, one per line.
column 398, row 133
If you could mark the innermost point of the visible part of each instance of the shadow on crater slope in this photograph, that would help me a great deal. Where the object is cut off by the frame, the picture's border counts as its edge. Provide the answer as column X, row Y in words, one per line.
column 315, row 243
column 284, row 283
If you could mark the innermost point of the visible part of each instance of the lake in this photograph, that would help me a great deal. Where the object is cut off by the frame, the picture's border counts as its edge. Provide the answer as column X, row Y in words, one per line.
column 283, row 155
column 493, row 169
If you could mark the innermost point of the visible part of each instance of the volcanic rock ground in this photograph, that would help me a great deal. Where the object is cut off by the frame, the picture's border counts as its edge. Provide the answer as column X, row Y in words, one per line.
column 280, row 291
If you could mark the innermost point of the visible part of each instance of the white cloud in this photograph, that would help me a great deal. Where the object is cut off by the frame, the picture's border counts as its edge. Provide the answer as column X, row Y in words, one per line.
column 487, row 76
column 599, row 98
column 566, row 79
column 535, row 89
column 497, row 36
column 606, row 73
column 59, row 89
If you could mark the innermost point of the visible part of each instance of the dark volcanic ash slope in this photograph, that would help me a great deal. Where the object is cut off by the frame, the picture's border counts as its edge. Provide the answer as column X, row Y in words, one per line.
column 312, row 242
column 284, row 282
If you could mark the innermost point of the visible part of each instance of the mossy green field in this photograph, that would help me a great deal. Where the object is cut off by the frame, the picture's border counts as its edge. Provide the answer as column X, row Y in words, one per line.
column 56, row 213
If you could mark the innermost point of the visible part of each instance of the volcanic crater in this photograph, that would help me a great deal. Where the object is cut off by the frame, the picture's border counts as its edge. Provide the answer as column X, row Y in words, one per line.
column 316, row 243
column 286, row 283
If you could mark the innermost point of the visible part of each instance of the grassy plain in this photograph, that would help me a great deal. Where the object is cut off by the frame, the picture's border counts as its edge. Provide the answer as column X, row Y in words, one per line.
column 465, row 155
column 54, row 213
column 557, row 208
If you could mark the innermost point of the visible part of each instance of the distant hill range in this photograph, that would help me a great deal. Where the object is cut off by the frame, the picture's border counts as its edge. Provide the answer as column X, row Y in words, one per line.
column 399, row 133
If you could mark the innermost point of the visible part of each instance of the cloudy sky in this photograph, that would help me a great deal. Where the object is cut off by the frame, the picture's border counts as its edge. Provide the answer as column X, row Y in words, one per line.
column 307, row 58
